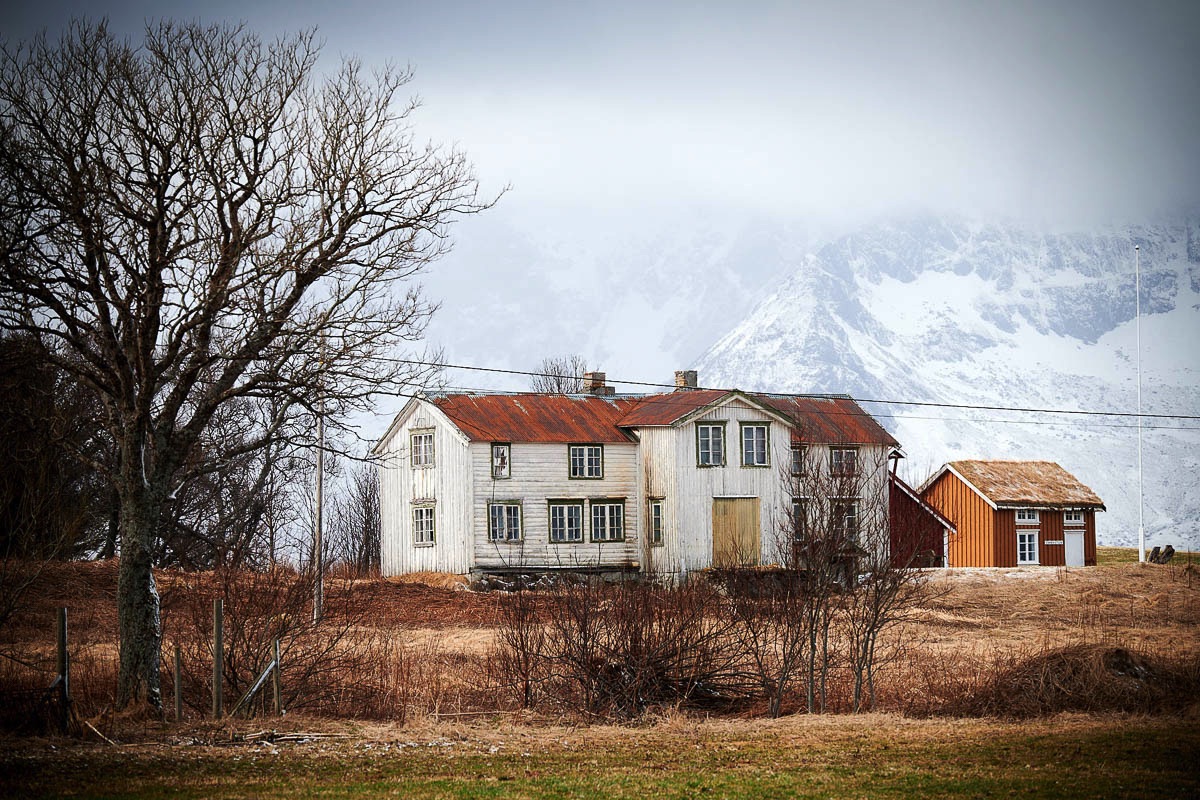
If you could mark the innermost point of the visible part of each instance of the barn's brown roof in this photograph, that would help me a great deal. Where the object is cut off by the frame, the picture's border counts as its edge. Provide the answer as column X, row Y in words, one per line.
column 536, row 417
column 1027, row 483
column 670, row 407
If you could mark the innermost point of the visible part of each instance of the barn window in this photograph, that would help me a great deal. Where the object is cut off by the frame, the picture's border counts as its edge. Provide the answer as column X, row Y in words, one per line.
column 608, row 522
column 755, row 441
column 1073, row 518
column 1027, row 547
column 843, row 461
column 423, row 526
column 656, row 523
column 710, row 445
column 501, row 465
column 1027, row 516
column 422, row 448
column 566, row 522
column 504, row 522
column 586, row 461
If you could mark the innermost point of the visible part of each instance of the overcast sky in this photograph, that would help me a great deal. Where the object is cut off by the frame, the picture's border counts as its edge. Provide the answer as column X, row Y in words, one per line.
column 610, row 114
column 1061, row 111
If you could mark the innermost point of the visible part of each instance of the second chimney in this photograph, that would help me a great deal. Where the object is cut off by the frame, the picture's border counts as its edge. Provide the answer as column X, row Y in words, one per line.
column 593, row 383
column 686, row 379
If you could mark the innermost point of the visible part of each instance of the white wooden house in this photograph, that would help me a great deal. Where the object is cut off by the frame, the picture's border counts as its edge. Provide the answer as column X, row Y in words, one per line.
column 664, row 482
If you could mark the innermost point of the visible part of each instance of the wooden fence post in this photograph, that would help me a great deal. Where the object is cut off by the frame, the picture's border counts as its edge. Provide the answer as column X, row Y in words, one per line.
column 277, row 685
column 178, row 684
column 64, row 672
column 218, row 656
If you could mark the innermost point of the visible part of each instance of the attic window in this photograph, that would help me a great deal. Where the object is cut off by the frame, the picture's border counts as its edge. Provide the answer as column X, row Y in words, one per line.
column 586, row 461
column 422, row 448
column 1028, row 516
column 1073, row 518
column 799, row 459
column 755, row 445
column 501, row 464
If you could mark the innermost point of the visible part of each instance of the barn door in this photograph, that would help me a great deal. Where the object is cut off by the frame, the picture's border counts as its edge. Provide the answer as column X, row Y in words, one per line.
column 735, row 531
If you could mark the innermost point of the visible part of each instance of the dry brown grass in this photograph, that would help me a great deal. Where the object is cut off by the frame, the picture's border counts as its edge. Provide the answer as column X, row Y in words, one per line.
column 983, row 631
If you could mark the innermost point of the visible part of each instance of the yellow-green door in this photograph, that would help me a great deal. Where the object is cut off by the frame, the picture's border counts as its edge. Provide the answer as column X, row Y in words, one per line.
column 735, row 531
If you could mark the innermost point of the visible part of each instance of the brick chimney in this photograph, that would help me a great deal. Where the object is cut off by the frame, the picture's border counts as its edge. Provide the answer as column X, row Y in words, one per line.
column 686, row 379
column 593, row 383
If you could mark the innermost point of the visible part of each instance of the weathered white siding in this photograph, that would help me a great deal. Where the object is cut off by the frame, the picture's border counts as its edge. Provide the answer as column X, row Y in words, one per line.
column 447, row 484
column 540, row 473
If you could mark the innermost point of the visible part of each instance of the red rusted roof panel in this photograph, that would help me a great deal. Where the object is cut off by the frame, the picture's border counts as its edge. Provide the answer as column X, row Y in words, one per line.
column 1027, row 483
column 536, row 417
column 669, row 407
column 828, row 420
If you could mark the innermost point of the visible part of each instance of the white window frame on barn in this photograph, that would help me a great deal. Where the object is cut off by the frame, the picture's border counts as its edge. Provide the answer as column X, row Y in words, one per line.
column 608, row 521
column 1028, row 516
column 756, row 444
column 585, row 462
column 710, row 444
column 424, row 530
column 505, row 522
column 561, row 529
column 1027, row 546
column 843, row 462
column 421, row 452
column 501, row 461
column 1073, row 518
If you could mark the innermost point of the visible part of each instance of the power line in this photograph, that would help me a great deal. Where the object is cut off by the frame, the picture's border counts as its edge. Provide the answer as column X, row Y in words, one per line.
column 913, row 403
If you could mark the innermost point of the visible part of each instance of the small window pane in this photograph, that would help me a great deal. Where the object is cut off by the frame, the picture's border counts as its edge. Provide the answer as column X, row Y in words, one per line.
column 500, row 461
column 422, row 449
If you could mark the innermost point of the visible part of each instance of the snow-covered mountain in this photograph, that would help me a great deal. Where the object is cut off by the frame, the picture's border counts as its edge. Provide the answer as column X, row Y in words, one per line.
column 952, row 311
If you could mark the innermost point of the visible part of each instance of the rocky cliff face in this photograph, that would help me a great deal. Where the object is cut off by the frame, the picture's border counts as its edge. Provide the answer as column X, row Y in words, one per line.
column 952, row 311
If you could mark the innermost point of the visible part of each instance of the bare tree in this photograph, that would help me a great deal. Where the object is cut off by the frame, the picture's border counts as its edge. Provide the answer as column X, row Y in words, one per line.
column 202, row 220
column 559, row 375
column 354, row 522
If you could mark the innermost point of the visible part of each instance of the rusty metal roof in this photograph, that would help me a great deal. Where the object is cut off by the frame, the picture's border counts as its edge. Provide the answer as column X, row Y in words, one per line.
column 670, row 407
column 832, row 419
column 588, row 418
column 536, row 417
column 1026, row 483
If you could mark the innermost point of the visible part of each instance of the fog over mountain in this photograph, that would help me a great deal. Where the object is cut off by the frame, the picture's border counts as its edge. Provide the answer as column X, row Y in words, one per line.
column 947, row 310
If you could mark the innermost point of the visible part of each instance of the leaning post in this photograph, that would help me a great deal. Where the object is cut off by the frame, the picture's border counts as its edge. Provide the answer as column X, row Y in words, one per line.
column 277, row 680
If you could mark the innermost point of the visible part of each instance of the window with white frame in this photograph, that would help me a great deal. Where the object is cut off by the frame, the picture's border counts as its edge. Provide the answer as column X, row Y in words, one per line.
column 656, row 523
column 845, row 519
column 608, row 521
column 710, row 444
column 1028, row 516
column 755, row 439
column 586, row 461
column 566, row 522
column 501, row 465
column 1027, row 547
column 799, row 459
column 421, row 448
column 423, row 526
column 1073, row 518
column 504, row 522
column 843, row 461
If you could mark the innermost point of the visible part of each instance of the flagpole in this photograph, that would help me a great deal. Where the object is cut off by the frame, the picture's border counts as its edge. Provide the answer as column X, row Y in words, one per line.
column 1137, row 315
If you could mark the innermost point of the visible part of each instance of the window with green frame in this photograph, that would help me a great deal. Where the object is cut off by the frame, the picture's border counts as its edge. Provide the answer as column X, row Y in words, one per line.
column 710, row 444
column 608, row 521
column 566, row 521
column 756, row 444
column 656, row 523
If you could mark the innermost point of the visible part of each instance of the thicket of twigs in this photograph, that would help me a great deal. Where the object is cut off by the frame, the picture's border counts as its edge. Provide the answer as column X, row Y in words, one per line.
column 588, row 650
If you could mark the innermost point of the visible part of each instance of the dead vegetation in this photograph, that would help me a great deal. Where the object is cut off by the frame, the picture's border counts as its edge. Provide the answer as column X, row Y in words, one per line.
column 1002, row 643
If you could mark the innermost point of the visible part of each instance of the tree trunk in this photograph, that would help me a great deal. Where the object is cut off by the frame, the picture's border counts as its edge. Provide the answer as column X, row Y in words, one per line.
column 138, row 608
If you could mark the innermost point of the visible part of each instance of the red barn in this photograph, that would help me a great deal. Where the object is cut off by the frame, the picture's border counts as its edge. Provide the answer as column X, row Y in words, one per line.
column 1011, row 513
column 918, row 532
